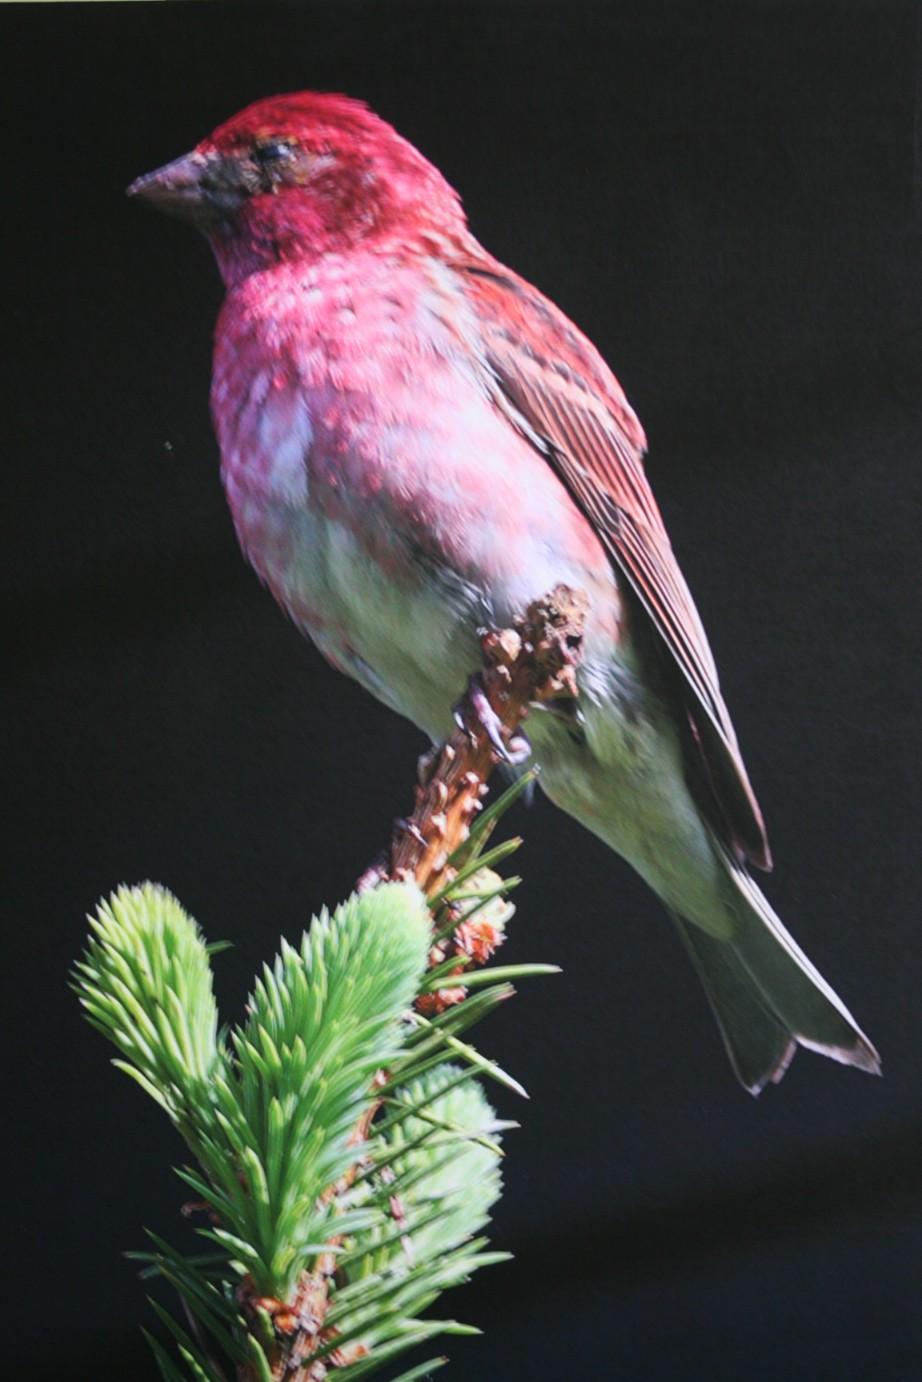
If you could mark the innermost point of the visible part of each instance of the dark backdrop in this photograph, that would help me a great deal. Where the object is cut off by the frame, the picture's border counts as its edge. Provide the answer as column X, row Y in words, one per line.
column 723, row 198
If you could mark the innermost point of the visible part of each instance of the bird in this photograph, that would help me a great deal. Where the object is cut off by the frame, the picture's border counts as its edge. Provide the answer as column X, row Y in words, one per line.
column 415, row 444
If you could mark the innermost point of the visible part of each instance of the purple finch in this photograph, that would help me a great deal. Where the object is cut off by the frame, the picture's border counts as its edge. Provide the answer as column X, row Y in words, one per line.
column 414, row 444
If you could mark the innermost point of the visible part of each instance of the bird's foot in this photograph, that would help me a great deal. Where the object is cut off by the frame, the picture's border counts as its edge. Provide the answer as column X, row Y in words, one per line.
column 518, row 750
column 403, row 826
column 475, row 711
column 375, row 873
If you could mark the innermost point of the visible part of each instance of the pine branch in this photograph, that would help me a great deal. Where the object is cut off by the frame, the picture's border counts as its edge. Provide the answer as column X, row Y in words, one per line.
column 348, row 1155
column 532, row 662
column 442, row 844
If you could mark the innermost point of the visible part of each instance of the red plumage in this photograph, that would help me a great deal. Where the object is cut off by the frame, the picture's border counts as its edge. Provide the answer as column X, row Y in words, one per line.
column 416, row 442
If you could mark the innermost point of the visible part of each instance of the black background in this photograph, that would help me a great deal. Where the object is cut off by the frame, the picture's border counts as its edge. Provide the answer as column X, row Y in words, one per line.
column 723, row 198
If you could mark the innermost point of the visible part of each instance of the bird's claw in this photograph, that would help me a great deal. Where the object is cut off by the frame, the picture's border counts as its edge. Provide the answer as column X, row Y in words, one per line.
column 518, row 750
column 407, row 827
column 375, row 873
column 475, row 708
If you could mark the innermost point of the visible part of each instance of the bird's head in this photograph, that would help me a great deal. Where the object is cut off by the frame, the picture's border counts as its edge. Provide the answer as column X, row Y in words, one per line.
column 299, row 176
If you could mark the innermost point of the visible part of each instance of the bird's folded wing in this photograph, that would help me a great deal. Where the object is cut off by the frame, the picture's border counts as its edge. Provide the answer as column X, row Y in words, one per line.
column 558, row 391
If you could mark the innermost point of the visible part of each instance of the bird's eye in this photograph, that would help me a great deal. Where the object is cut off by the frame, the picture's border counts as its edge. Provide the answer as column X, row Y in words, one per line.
column 272, row 151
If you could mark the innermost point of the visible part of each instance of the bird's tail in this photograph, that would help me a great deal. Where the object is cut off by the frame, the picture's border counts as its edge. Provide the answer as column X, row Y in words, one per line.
column 766, row 995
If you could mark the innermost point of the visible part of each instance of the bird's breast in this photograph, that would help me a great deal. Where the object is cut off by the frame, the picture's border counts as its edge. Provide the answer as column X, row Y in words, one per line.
column 374, row 486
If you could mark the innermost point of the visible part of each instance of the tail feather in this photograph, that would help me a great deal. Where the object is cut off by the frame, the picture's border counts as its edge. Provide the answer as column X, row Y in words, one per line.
column 759, row 1046
column 766, row 995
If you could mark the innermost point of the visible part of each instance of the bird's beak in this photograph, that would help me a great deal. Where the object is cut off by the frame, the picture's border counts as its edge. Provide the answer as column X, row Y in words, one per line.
column 178, row 188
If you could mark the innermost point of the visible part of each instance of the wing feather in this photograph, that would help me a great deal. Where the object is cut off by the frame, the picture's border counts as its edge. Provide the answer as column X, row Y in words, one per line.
column 557, row 389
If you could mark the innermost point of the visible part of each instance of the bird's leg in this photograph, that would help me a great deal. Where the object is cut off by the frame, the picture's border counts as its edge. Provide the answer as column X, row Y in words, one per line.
column 532, row 662
column 474, row 712
column 475, row 707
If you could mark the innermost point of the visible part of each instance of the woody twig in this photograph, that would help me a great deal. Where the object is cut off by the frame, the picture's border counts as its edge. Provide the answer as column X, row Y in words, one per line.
column 532, row 662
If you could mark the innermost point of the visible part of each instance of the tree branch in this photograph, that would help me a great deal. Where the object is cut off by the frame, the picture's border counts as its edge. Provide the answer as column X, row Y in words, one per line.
column 530, row 663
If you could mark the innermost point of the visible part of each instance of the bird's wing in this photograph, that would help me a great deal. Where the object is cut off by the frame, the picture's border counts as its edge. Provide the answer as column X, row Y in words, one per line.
column 559, row 392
